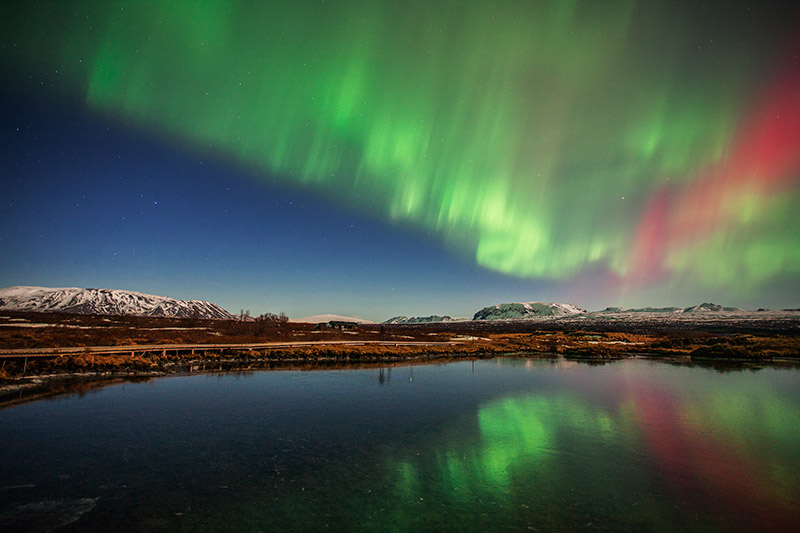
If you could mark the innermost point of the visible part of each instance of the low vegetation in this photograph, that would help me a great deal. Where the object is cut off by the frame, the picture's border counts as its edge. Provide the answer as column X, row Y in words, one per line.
column 40, row 330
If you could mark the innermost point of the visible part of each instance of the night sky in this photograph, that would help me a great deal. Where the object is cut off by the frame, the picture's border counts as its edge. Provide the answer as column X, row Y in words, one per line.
column 376, row 158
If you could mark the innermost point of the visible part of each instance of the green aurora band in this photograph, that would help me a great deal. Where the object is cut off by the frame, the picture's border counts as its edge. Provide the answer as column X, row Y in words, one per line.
column 545, row 138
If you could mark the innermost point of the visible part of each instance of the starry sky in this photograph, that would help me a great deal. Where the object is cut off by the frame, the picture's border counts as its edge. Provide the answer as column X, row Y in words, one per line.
column 377, row 158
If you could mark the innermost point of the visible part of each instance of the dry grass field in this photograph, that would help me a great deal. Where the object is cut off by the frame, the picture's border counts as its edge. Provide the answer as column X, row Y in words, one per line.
column 597, row 341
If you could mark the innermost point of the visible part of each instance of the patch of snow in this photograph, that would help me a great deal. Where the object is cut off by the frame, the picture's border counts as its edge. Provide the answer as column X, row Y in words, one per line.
column 468, row 338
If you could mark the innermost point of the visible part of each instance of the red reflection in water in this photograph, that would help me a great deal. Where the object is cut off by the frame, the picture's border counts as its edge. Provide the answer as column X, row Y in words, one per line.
column 705, row 467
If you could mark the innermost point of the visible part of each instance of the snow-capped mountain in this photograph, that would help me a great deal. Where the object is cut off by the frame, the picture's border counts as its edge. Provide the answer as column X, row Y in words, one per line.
column 105, row 302
column 526, row 310
column 421, row 319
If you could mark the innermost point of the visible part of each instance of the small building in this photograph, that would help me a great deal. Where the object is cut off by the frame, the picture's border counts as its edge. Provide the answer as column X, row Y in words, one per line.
column 336, row 325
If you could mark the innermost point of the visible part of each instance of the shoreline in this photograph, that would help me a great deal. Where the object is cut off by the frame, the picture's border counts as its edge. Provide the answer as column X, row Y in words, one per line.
column 86, row 348
column 40, row 386
column 34, row 387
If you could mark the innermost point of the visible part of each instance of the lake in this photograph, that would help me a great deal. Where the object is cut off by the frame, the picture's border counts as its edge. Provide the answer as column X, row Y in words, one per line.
column 492, row 445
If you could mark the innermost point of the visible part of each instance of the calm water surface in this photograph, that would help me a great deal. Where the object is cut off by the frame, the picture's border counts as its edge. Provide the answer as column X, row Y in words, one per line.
column 505, row 444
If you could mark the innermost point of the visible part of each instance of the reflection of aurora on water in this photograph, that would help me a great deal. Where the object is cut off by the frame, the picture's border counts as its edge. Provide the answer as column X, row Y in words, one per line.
column 519, row 443
column 525, row 430
column 529, row 448
column 506, row 444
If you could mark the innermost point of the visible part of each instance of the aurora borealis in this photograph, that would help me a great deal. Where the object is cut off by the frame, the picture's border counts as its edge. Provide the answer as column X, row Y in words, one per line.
column 700, row 435
column 634, row 153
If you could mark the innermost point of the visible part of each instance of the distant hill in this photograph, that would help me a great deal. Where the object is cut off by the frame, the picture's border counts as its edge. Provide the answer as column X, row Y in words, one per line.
column 702, row 308
column 710, row 308
column 105, row 302
column 642, row 310
column 317, row 319
column 421, row 319
column 526, row 310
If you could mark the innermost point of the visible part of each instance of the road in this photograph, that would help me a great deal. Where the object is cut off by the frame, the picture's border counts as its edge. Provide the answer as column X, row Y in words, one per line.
column 192, row 348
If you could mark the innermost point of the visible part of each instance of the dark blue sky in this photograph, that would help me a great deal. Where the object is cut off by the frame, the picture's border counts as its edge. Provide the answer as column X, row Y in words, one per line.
column 375, row 158
column 92, row 203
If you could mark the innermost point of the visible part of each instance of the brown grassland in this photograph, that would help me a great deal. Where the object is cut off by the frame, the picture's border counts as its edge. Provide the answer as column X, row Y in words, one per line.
column 592, row 341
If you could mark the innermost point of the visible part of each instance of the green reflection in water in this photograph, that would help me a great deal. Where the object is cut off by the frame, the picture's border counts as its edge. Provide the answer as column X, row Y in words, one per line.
column 514, row 461
column 562, row 462
column 628, row 447
column 523, row 429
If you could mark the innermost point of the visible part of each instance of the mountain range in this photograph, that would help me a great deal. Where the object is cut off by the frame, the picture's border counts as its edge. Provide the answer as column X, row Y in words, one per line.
column 121, row 302
column 702, row 308
column 106, row 302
